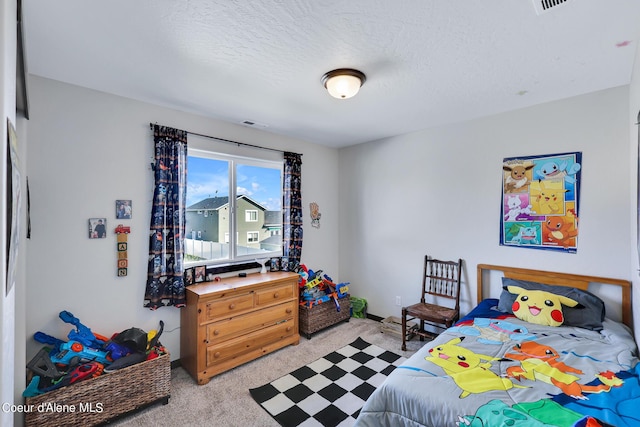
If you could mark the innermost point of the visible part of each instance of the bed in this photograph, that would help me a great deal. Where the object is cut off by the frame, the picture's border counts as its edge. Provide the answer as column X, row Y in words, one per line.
column 502, row 365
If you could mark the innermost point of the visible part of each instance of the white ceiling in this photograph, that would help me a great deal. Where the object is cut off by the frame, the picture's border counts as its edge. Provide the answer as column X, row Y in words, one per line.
column 427, row 62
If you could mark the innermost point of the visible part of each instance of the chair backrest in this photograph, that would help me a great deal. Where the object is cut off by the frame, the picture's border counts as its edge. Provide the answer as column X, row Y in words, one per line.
column 442, row 279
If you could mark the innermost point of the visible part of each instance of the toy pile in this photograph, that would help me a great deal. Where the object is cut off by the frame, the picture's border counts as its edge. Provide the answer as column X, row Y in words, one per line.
column 87, row 355
column 316, row 288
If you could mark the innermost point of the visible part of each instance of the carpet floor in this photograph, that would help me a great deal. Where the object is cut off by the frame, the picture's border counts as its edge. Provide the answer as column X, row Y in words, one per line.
column 225, row 401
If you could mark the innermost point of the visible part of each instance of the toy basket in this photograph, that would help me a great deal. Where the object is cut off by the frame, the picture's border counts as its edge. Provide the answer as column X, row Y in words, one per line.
column 98, row 400
column 323, row 315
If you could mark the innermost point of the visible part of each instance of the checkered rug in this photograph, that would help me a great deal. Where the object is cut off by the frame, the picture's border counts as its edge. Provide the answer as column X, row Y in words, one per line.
column 329, row 391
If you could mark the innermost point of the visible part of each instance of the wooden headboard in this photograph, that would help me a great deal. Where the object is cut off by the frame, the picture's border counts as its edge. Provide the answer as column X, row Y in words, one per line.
column 559, row 279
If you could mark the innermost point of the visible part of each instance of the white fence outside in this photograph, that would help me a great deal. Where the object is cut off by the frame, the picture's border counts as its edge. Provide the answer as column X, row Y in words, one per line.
column 215, row 250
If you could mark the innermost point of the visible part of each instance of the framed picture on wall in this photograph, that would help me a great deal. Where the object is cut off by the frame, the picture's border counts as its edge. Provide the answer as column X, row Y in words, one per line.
column 13, row 225
column 97, row 228
column 124, row 209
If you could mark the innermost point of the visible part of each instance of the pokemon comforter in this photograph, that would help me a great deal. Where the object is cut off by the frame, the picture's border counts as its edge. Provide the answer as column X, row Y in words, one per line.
column 502, row 371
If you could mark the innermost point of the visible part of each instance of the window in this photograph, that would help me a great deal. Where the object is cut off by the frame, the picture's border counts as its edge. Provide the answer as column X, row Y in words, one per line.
column 251, row 216
column 242, row 201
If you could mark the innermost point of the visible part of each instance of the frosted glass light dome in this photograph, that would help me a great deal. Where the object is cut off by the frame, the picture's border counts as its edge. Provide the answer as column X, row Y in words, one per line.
column 343, row 83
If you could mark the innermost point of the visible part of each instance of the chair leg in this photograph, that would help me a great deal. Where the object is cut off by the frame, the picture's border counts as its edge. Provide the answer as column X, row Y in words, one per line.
column 404, row 329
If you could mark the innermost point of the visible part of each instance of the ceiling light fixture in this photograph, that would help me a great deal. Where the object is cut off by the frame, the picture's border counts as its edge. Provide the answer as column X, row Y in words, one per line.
column 343, row 83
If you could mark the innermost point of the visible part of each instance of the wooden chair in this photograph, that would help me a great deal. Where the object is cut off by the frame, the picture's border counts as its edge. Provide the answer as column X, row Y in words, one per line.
column 441, row 279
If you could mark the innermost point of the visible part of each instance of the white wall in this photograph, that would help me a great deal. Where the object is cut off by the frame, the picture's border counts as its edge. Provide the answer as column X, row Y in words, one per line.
column 7, row 110
column 87, row 149
column 438, row 192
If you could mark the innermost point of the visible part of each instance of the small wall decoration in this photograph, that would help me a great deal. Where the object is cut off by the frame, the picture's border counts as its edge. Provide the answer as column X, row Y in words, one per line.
column 97, row 228
column 540, row 201
column 315, row 214
column 124, row 209
column 14, row 201
column 123, row 263
column 28, row 211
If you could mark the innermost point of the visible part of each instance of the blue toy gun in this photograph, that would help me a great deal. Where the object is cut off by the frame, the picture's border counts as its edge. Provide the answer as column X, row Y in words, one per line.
column 82, row 334
column 72, row 352
column 337, row 291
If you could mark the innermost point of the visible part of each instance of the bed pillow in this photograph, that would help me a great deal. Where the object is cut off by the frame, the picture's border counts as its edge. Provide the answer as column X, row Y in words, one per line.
column 588, row 314
column 539, row 307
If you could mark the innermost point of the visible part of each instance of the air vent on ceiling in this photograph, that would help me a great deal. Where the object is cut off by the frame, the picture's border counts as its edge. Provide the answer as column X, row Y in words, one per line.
column 252, row 124
column 543, row 6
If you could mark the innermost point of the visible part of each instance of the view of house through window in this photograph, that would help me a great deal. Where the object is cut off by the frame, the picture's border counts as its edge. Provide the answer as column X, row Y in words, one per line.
column 234, row 208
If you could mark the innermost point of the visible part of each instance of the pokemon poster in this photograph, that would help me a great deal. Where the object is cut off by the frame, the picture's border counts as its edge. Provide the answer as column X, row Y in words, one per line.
column 540, row 201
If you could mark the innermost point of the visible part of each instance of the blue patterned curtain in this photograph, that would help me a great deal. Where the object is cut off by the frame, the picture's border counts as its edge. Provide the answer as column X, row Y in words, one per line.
column 292, row 212
column 165, row 285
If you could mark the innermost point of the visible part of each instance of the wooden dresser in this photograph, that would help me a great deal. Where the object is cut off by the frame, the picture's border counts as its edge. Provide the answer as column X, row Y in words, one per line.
column 238, row 319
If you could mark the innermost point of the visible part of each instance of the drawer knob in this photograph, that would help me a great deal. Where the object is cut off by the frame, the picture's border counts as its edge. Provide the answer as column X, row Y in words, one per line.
column 216, row 332
column 289, row 328
column 216, row 354
column 232, row 306
column 276, row 295
column 289, row 311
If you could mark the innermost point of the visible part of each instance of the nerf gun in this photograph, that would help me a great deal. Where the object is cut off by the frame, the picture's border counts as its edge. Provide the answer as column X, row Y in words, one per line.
column 303, row 272
column 71, row 352
column 312, row 283
column 336, row 291
column 82, row 372
column 82, row 333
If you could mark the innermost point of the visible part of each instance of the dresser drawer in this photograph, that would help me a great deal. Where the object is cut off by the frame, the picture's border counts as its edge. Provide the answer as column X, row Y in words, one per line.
column 226, row 329
column 228, row 306
column 250, row 342
column 275, row 294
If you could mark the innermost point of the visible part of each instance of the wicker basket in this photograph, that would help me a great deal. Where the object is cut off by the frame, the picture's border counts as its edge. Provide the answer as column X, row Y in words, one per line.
column 104, row 398
column 323, row 315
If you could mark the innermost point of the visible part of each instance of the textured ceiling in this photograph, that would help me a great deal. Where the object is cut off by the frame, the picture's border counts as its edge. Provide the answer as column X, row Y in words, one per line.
column 427, row 62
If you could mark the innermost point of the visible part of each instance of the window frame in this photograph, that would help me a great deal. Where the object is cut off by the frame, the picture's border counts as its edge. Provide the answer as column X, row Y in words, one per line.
column 234, row 161
column 247, row 216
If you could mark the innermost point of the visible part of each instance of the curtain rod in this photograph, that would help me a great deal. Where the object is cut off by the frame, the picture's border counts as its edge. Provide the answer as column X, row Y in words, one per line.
column 230, row 141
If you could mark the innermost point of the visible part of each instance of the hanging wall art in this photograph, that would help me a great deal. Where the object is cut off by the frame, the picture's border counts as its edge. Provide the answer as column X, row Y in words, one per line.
column 540, row 201
column 124, row 209
column 97, row 228
column 315, row 214
column 13, row 206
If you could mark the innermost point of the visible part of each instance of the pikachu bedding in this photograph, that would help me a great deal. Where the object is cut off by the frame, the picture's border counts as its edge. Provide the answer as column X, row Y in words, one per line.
column 494, row 369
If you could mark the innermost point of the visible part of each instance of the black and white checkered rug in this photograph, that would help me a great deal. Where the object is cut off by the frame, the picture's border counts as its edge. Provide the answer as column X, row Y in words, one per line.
column 329, row 391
